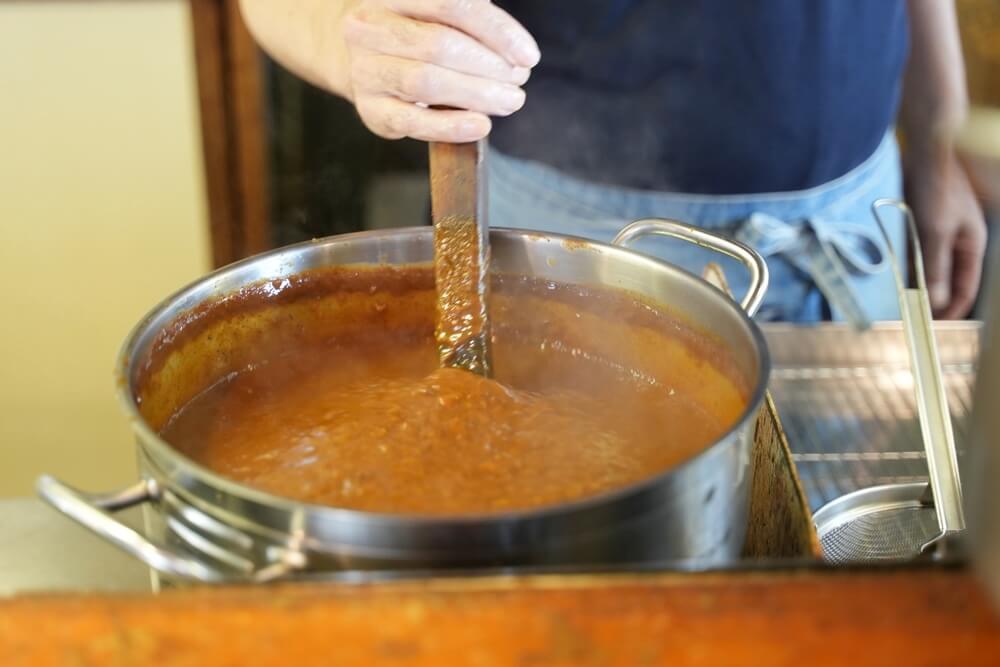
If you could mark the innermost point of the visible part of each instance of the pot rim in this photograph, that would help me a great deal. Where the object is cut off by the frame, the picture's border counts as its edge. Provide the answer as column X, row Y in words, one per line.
column 162, row 450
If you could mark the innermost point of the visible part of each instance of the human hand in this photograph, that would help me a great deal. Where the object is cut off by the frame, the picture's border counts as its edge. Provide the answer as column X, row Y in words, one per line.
column 408, row 55
column 951, row 226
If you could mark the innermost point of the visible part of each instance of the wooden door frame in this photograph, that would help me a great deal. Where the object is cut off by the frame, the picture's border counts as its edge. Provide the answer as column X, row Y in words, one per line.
column 234, row 135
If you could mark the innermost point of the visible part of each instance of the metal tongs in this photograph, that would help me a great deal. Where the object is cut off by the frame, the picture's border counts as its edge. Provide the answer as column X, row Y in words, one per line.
column 944, row 486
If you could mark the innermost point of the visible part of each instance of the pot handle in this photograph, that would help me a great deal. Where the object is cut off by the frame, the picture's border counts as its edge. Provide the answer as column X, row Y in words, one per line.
column 93, row 511
column 749, row 257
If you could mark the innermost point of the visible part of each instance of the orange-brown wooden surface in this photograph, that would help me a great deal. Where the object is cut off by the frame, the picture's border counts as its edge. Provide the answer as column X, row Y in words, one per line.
column 922, row 617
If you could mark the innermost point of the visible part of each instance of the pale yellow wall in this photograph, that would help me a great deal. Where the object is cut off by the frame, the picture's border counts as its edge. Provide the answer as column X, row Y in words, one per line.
column 102, row 213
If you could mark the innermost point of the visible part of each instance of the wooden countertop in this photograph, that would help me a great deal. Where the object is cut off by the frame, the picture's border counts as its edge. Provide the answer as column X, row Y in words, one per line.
column 912, row 617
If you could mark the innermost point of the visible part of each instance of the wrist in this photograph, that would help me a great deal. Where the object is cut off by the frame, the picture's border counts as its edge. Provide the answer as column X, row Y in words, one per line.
column 931, row 130
column 928, row 151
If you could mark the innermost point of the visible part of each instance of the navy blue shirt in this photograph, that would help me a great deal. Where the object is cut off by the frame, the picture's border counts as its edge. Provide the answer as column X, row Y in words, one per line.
column 708, row 96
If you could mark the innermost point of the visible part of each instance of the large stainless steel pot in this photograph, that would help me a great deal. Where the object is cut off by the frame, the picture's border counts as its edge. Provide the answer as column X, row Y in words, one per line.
column 203, row 527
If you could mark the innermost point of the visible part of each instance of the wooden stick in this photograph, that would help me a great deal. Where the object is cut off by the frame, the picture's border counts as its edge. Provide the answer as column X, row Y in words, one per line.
column 461, row 255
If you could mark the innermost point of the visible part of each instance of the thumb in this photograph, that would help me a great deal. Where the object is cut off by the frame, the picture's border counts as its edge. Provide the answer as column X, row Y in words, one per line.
column 937, row 266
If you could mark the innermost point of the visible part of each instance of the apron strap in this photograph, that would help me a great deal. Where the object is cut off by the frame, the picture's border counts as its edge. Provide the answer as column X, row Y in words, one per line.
column 828, row 252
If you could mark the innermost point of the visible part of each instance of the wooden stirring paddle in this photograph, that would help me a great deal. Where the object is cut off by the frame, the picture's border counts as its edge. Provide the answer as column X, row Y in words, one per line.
column 461, row 255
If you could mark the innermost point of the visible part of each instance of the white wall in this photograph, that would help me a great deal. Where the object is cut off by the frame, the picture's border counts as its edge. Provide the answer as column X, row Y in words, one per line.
column 102, row 214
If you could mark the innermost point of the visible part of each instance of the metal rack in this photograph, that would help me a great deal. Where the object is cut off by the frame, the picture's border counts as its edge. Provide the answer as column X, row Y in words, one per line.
column 846, row 402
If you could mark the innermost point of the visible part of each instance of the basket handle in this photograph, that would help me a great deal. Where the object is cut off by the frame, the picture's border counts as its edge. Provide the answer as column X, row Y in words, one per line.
column 928, row 385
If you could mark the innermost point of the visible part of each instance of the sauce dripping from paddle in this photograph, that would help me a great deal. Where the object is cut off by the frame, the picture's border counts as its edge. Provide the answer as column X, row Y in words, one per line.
column 461, row 256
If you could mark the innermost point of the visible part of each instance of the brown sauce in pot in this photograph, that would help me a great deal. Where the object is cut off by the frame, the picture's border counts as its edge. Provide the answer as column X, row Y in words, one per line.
column 593, row 390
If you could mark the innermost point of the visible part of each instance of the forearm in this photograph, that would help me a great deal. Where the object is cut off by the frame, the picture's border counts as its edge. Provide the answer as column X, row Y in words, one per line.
column 302, row 36
column 935, row 100
column 934, row 107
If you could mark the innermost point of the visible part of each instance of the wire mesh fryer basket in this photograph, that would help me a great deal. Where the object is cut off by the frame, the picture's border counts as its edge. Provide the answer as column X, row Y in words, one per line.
column 901, row 521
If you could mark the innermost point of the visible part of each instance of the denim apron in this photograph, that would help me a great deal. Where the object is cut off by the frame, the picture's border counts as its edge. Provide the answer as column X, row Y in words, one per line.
column 826, row 256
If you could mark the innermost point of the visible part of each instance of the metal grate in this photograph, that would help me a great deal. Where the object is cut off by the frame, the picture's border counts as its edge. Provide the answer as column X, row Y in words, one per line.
column 846, row 402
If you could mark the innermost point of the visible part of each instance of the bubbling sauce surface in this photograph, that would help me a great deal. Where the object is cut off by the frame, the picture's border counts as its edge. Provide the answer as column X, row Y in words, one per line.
column 371, row 423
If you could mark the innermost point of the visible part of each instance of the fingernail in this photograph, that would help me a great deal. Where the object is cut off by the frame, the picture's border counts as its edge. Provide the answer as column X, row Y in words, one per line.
column 526, row 53
column 511, row 99
column 473, row 129
column 939, row 294
column 520, row 75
